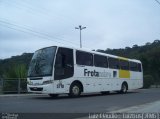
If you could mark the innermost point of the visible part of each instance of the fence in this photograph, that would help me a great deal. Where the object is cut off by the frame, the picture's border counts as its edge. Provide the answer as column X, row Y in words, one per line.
column 13, row 85
column 155, row 86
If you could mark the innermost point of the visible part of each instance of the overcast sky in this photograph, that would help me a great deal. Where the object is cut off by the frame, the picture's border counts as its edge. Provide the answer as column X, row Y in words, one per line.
column 28, row 25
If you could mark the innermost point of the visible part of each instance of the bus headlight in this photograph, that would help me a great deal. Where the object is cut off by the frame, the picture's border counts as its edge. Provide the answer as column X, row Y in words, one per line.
column 47, row 82
column 29, row 83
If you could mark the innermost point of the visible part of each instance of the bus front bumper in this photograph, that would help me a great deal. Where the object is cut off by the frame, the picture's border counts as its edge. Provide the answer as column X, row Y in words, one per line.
column 48, row 88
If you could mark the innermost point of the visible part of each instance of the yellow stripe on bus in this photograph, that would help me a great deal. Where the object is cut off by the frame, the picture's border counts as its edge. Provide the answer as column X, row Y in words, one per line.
column 124, row 74
column 123, row 58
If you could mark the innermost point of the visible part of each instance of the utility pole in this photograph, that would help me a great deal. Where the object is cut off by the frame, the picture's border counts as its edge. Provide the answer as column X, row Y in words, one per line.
column 80, row 28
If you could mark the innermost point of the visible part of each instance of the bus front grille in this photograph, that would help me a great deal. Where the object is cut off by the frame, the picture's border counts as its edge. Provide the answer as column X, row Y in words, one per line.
column 36, row 89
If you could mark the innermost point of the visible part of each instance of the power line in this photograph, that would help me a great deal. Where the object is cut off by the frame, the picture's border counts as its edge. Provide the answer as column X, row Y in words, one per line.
column 35, row 10
column 41, row 11
column 157, row 2
column 39, row 34
column 46, row 11
column 27, row 32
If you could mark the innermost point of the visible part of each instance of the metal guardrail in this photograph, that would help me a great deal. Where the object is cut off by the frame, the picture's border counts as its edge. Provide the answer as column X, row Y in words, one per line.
column 13, row 85
column 155, row 86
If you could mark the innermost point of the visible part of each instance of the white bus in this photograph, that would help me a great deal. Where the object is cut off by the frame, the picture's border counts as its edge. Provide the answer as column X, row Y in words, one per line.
column 62, row 70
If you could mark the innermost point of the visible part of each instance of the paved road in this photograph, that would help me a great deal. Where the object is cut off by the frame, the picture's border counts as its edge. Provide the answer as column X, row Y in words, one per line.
column 83, row 104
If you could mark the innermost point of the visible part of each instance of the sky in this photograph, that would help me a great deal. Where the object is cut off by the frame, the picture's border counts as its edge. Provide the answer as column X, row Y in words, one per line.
column 28, row 25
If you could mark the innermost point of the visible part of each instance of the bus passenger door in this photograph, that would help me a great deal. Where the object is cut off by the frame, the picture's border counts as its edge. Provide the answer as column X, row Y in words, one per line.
column 64, row 67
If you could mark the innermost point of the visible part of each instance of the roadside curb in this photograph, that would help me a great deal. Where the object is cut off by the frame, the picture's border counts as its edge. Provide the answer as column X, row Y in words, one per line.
column 21, row 95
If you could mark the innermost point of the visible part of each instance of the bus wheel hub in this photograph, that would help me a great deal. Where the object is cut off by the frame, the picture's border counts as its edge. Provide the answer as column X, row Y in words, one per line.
column 75, row 90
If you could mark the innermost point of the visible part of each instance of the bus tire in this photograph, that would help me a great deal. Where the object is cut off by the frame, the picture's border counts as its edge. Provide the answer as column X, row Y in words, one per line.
column 53, row 95
column 75, row 90
column 124, row 88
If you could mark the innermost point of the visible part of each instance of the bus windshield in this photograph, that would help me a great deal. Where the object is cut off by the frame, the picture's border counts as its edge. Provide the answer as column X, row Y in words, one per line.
column 42, row 62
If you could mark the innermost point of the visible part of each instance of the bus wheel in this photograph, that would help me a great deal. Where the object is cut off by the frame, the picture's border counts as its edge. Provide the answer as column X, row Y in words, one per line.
column 53, row 95
column 75, row 90
column 124, row 88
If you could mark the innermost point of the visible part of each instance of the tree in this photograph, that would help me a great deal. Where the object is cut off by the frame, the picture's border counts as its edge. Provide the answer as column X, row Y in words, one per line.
column 135, row 46
column 148, row 43
column 148, row 81
column 21, row 71
column 17, row 71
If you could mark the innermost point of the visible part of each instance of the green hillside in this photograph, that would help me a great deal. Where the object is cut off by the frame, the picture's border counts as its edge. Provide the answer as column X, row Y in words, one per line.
column 16, row 65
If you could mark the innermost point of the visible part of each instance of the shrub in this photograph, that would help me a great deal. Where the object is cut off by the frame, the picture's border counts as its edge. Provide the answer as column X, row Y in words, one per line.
column 148, row 81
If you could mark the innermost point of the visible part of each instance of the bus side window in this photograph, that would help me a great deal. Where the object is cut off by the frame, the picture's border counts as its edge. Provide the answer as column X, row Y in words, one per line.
column 64, row 67
column 100, row 61
column 139, row 67
column 124, row 65
column 113, row 63
column 133, row 66
column 84, row 58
